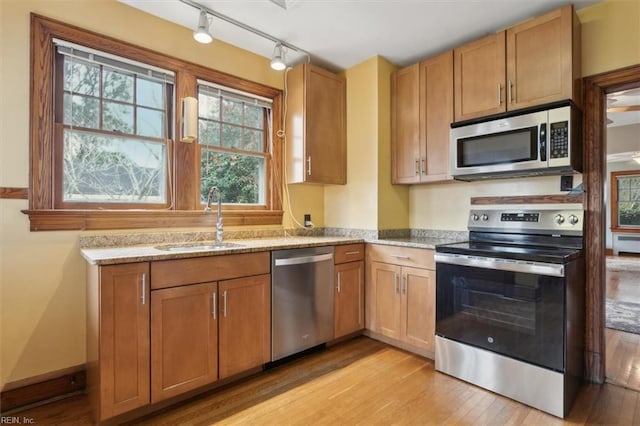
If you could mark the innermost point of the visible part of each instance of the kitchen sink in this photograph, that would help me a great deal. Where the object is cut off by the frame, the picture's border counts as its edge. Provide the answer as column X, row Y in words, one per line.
column 203, row 246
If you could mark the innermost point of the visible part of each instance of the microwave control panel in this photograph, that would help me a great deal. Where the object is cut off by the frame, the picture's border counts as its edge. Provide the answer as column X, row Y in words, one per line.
column 559, row 140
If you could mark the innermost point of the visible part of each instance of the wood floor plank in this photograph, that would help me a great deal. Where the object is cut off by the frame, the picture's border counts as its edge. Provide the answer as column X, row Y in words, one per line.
column 361, row 382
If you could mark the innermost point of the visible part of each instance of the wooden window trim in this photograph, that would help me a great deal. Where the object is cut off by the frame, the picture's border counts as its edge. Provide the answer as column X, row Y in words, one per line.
column 186, row 211
column 613, row 184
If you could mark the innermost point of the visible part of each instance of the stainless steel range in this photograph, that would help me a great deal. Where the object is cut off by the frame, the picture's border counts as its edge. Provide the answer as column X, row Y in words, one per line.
column 510, row 306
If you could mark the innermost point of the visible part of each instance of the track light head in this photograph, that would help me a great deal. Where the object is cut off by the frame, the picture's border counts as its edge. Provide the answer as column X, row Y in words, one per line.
column 277, row 60
column 202, row 34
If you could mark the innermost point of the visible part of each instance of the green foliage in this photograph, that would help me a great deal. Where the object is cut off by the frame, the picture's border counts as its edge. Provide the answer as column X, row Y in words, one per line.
column 629, row 214
column 237, row 176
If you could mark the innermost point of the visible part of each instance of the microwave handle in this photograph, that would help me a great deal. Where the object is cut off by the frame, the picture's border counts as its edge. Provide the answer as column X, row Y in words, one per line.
column 543, row 142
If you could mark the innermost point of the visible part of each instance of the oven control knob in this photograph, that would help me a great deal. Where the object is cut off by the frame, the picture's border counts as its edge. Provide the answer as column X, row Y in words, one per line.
column 474, row 217
column 485, row 217
column 573, row 219
column 559, row 219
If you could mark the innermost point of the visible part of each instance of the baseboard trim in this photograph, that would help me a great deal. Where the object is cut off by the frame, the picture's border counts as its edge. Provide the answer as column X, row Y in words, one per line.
column 44, row 387
column 608, row 252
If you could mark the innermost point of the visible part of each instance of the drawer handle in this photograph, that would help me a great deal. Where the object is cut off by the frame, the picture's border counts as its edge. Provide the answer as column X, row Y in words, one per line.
column 339, row 282
column 351, row 253
column 400, row 257
column 224, row 304
column 214, row 302
column 143, row 282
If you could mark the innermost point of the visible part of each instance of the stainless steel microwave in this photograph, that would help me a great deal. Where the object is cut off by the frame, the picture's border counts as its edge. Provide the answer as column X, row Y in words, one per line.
column 534, row 143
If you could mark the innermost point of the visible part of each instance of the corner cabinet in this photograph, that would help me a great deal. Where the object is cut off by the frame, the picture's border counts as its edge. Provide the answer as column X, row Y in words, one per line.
column 401, row 297
column 348, row 299
column 421, row 115
column 532, row 63
column 315, row 146
column 118, row 362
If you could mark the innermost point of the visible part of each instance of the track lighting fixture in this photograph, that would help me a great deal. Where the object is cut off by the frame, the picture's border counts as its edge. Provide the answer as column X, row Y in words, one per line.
column 202, row 34
column 277, row 60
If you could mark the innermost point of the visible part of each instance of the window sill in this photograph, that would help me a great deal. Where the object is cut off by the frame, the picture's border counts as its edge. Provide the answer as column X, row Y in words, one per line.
column 619, row 230
column 85, row 220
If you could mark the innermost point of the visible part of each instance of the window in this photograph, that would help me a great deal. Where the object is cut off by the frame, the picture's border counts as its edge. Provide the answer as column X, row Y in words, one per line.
column 114, row 130
column 233, row 136
column 103, row 149
column 625, row 199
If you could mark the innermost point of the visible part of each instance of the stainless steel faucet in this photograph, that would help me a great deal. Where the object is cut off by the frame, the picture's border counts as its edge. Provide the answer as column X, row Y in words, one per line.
column 219, row 228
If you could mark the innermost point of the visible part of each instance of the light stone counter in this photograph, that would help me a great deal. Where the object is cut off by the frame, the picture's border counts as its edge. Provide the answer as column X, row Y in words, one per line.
column 144, row 253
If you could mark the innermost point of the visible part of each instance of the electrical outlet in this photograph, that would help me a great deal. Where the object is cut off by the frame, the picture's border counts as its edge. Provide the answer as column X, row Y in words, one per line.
column 566, row 183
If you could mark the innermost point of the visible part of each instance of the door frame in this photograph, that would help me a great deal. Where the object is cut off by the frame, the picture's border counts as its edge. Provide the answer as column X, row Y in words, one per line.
column 596, row 88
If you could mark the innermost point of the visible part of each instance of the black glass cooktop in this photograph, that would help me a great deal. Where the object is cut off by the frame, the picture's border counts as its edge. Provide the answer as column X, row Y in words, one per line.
column 531, row 253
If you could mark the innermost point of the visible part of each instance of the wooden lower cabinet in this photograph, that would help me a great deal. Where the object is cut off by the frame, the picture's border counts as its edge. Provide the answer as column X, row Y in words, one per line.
column 184, row 339
column 348, row 298
column 401, row 299
column 118, row 338
column 245, row 324
column 152, row 339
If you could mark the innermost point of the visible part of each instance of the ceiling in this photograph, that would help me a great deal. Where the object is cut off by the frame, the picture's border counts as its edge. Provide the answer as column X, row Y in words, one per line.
column 342, row 33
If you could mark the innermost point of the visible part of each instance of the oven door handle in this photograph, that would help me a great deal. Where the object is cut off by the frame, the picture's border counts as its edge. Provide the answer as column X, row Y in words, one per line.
column 546, row 269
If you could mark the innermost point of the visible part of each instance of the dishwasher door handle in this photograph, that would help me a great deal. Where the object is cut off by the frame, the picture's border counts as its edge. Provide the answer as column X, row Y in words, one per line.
column 303, row 259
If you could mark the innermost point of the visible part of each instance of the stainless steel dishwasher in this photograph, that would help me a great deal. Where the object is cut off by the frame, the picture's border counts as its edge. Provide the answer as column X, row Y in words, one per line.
column 301, row 299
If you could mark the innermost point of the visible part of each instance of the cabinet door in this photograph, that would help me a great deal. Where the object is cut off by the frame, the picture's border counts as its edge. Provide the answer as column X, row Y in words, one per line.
column 479, row 76
column 325, row 121
column 124, row 338
column 405, row 124
column 184, row 339
column 385, row 299
column 348, row 298
column 540, row 59
column 418, row 307
column 244, row 324
column 436, row 106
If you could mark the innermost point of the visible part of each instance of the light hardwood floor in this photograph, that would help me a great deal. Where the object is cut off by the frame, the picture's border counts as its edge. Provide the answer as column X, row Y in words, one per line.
column 365, row 382
column 623, row 349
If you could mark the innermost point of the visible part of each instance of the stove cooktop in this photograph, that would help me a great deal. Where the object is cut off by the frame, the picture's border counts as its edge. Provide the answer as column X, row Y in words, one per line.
column 529, row 253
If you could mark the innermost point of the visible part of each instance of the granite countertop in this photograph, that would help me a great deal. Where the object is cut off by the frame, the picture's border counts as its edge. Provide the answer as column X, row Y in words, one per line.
column 416, row 242
column 144, row 253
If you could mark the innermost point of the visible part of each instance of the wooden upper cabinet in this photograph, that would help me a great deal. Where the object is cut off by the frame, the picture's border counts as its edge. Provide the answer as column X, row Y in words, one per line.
column 316, row 126
column 543, row 59
column 422, row 112
column 436, row 116
column 532, row 63
column 405, row 124
column 479, row 74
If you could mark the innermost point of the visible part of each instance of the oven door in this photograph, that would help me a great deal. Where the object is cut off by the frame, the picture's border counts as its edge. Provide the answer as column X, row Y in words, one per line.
column 510, row 307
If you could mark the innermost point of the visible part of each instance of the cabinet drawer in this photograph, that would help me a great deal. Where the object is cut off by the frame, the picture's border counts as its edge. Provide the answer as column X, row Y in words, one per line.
column 404, row 256
column 170, row 273
column 349, row 253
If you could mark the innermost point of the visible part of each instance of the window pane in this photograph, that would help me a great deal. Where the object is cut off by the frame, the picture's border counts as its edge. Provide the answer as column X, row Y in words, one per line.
column 231, row 111
column 117, row 117
column 117, row 86
column 231, row 136
column 623, row 183
column 624, row 195
column 629, row 214
column 239, row 177
column 150, row 122
column 208, row 132
column 149, row 93
column 112, row 169
column 253, row 116
column 80, row 77
column 81, row 111
column 208, row 106
column 252, row 140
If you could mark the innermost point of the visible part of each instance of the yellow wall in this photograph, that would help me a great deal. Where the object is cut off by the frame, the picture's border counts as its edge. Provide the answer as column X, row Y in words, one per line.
column 42, row 275
column 610, row 35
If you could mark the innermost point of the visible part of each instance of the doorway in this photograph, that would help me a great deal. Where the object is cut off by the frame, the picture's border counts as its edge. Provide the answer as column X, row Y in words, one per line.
column 596, row 90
